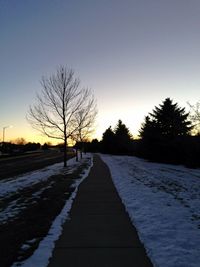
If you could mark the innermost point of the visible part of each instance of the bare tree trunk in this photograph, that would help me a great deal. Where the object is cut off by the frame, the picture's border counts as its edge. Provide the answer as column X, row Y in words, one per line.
column 81, row 151
column 65, row 152
column 76, row 155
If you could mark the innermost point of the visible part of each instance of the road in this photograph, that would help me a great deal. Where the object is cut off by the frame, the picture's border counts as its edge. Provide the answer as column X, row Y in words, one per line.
column 13, row 166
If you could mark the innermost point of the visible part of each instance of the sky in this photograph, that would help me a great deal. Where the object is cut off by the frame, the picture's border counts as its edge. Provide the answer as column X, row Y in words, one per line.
column 132, row 53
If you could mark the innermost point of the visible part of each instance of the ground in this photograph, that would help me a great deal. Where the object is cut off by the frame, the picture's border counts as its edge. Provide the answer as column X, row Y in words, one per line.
column 162, row 202
column 12, row 166
column 29, row 203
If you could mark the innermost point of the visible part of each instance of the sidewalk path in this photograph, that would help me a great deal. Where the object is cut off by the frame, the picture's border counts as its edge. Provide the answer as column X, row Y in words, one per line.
column 99, row 233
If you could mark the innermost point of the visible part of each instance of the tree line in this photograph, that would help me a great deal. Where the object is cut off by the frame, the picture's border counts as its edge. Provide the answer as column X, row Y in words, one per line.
column 16, row 148
column 166, row 135
column 66, row 111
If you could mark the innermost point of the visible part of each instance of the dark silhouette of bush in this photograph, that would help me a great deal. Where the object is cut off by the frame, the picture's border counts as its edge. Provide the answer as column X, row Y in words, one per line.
column 45, row 146
column 93, row 146
column 31, row 146
column 16, row 149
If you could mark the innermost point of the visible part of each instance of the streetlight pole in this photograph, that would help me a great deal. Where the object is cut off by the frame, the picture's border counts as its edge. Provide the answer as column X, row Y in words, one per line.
column 4, row 131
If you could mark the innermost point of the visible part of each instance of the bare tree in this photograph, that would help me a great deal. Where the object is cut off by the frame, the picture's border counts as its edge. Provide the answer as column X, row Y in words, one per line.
column 61, row 99
column 20, row 141
column 195, row 116
column 84, row 120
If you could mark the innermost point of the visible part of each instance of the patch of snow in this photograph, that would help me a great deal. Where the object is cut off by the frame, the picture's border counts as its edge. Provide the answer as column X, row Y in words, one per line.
column 13, row 185
column 38, row 193
column 163, row 203
column 27, row 244
column 25, row 247
column 9, row 212
column 32, row 241
column 8, row 186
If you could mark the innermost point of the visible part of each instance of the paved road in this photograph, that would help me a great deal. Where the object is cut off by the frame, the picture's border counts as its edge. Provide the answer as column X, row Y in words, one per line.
column 12, row 166
column 99, row 233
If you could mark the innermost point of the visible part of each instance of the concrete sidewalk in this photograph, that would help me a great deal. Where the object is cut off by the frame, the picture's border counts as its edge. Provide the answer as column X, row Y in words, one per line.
column 99, row 233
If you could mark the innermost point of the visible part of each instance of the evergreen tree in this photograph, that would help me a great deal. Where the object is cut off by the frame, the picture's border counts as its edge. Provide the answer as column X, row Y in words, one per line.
column 122, row 137
column 117, row 141
column 148, row 129
column 167, row 121
column 108, row 141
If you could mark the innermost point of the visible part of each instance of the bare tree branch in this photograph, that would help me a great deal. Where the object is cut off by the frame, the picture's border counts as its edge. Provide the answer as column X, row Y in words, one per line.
column 195, row 116
column 84, row 119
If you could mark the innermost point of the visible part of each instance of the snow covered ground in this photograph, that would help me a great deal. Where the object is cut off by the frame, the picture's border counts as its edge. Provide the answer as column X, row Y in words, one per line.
column 15, row 185
column 41, row 256
column 8, row 186
column 39, row 181
column 163, row 202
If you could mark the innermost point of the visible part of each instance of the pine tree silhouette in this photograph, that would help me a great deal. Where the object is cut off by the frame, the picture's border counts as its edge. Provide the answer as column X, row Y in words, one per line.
column 167, row 121
column 122, row 137
column 108, row 141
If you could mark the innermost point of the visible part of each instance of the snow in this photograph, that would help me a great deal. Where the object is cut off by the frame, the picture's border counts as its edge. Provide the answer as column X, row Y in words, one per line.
column 42, row 254
column 8, row 186
column 162, row 201
column 163, row 204
column 13, row 186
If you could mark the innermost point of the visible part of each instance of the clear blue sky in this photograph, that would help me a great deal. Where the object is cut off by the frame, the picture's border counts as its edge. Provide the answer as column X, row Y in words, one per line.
column 132, row 53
